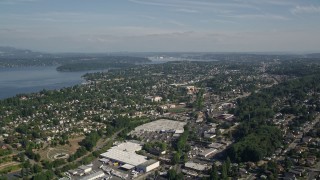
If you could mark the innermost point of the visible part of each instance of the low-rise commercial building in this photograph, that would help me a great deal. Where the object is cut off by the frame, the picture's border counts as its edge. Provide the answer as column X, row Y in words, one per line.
column 208, row 152
column 93, row 176
column 124, row 157
column 125, row 154
column 85, row 169
column 148, row 165
column 215, row 145
column 119, row 174
column 195, row 166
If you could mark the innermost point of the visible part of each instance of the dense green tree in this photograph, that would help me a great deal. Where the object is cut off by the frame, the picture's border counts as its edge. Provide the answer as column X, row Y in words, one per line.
column 47, row 164
column 184, row 158
column 288, row 163
column 257, row 145
column 173, row 175
column 214, row 173
column 27, row 164
column 90, row 141
column 37, row 168
column 224, row 171
column 228, row 165
column 2, row 177
column 176, row 158
column 37, row 157
column 46, row 175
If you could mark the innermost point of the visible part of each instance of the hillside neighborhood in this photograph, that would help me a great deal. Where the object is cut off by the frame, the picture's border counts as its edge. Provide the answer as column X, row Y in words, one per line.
column 175, row 120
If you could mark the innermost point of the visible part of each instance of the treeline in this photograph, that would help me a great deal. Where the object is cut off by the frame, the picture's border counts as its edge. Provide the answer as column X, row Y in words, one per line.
column 46, row 175
column 12, row 57
column 181, row 143
column 257, row 145
column 226, row 170
column 103, row 63
column 182, row 147
column 149, row 146
column 90, row 140
column 87, row 144
column 124, row 125
column 28, row 62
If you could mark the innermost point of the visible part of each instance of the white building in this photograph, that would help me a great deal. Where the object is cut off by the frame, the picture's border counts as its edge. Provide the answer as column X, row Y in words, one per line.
column 125, row 153
column 85, row 169
column 191, row 89
column 148, row 165
column 124, row 157
column 96, row 175
column 157, row 99
column 211, row 133
column 154, row 98
column 128, row 146
column 208, row 152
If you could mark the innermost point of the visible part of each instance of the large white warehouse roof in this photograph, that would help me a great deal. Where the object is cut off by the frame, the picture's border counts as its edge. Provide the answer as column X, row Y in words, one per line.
column 125, row 157
column 128, row 146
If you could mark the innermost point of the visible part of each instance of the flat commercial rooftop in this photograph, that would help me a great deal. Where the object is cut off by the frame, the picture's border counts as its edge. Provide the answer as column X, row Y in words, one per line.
column 125, row 157
column 195, row 166
column 125, row 153
column 215, row 145
column 208, row 152
column 128, row 146
column 161, row 125
column 127, row 166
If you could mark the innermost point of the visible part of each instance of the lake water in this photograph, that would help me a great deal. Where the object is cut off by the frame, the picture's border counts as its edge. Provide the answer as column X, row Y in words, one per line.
column 20, row 80
column 15, row 81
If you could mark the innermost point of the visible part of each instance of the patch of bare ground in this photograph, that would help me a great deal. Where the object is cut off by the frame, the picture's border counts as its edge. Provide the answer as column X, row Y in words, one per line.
column 48, row 152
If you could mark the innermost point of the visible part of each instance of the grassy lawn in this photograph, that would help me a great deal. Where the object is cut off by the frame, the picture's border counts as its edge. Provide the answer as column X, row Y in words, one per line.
column 10, row 167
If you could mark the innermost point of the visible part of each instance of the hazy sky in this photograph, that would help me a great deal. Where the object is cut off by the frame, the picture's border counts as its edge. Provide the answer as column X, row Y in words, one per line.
column 161, row 25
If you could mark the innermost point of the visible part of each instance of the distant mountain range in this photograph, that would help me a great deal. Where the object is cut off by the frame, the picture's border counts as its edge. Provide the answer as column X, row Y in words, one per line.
column 11, row 52
column 8, row 50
